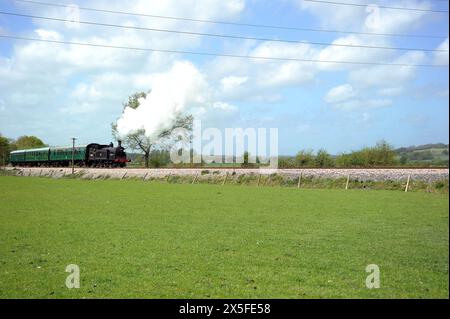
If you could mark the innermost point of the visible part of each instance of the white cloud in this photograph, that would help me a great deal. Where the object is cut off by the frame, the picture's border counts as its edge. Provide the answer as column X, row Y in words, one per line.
column 223, row 106
column 355, row 104
column 340, row 93
column 383, row 20
column 346, row 17
column 283, row 73
column 48, row 34
column 345, row 97
column 257, row 79
column 282, row 50
column 352, row 54
column 82, row 107
column 441, row 58
column 85, row 91
column 390, row 91
column 230, row 83
column 390, row 76
column 370, row 18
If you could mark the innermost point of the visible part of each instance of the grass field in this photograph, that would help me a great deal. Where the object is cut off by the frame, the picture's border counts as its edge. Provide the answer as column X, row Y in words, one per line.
column 157, row 240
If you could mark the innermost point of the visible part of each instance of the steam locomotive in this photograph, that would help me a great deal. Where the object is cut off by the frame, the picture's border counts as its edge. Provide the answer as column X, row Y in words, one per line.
column 91, row 155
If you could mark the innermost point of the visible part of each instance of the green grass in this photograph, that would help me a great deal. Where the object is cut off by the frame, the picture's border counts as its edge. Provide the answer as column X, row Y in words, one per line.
column 160, row 240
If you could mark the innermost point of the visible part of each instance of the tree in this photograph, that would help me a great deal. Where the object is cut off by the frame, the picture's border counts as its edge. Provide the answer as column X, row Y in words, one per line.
column 159, row 158
column 139, row 140
column 383, row 154
column 5, row 148
column 403, row 159
column 323, row 159
column 25, row 142
column 246, row 158
column 304, row 158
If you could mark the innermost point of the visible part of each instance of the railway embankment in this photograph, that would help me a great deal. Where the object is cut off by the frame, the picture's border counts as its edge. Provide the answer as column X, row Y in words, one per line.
column 379, row 174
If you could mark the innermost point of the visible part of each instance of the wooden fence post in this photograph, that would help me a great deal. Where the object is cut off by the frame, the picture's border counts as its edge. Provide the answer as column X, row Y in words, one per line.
column 299, row 180
column 259, row 179
column 348, row 180
column 225, row 179
column 195, row 178
column 407, row 183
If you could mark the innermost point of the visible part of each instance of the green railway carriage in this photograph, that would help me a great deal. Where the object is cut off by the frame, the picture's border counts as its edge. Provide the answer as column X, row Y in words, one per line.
column 48, row 156
column 16, row 157
column 60, row 154
column 37, row 154
column 32, row 156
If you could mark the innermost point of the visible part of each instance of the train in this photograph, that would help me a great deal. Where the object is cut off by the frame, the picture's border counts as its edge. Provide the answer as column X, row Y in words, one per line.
column 91, row 155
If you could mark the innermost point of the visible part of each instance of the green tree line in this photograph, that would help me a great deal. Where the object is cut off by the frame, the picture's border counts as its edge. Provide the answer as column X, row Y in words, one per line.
column 382, row 154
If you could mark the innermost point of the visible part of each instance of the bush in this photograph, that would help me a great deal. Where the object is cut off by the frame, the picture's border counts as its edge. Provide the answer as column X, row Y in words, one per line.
column 382, row 154
column 286, row 162
column 159, row 158
column 246, row 163
column 304, row 158
column 323, row 159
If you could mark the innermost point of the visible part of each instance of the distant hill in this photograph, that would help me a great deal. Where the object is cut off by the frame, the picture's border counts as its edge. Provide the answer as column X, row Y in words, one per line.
column 436, row 154
column 422, row 147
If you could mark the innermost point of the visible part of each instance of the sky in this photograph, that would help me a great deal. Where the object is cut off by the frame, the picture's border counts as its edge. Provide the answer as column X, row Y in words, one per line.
column 58, row 91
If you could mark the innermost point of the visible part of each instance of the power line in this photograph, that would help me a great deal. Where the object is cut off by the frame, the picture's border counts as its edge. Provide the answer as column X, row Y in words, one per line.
column 379, row 6
column 218, row 54
column 220, row 35
column 265, row 26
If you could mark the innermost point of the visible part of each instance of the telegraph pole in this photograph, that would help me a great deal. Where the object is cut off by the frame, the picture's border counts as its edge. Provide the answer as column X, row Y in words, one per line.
column 73, row 155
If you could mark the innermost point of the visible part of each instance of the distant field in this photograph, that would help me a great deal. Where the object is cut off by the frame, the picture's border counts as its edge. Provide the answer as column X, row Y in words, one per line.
column 159, row 240
column 432, row 154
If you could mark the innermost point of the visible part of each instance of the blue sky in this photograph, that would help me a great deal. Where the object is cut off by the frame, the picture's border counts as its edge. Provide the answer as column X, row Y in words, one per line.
column 58, row 91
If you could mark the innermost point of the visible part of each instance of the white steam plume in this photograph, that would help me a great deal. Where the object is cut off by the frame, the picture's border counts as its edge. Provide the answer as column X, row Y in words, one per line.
column 179, row 90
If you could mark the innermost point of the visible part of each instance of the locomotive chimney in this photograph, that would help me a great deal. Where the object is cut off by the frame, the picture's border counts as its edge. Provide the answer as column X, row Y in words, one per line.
column 120, row 143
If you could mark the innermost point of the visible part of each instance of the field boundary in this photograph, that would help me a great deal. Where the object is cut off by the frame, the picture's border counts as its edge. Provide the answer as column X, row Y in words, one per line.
column 427, row 180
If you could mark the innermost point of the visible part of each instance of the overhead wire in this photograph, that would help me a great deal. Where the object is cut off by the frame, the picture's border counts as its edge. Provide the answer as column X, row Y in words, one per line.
column 6, row 36
column 219, row 35
column 253, row 25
